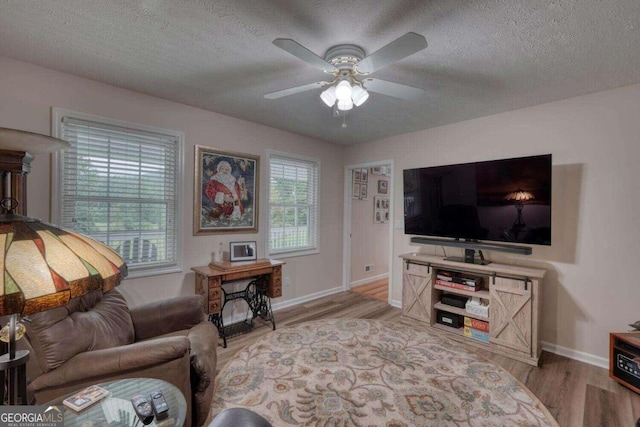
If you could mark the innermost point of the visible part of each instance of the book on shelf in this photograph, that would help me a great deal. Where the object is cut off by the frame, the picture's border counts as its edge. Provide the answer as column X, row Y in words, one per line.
column 457, row 286
column 476, row 334
column 447, row 276
column 85, row 398
column 476, row 324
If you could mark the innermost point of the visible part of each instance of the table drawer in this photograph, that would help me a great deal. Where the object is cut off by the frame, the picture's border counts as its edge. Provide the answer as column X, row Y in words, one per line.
column 214, row 307
column 214, row 294
column 275, row 291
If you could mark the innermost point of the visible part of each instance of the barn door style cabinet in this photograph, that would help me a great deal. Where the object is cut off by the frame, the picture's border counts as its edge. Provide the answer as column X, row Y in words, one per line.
column 439, row 293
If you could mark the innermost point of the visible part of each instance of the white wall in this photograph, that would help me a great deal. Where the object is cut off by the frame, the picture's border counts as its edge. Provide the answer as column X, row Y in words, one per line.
column 29, row 92
column 591, row 287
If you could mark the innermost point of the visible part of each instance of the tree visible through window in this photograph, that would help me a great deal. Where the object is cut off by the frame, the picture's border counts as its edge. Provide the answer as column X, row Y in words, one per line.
column 119, row 185
column 293, row 204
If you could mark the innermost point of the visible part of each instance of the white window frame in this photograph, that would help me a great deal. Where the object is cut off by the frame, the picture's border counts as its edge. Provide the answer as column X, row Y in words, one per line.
column 171, row 266
column 287, row 253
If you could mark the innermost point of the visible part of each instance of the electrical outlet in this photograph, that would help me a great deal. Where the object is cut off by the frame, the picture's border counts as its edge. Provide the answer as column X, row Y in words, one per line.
column 368, row 267
column 286, row 281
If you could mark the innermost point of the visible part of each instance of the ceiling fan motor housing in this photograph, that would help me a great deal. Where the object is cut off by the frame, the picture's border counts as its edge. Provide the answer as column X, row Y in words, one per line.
column 344, row 56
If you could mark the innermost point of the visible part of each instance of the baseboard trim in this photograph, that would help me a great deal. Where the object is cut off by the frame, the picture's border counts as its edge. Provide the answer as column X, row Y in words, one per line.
column 288, row 303
column 395, row 303
column 368, row 280
column 600, row 362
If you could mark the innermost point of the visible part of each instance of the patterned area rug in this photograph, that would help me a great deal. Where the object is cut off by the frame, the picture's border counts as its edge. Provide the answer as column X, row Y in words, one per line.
column 353, row 372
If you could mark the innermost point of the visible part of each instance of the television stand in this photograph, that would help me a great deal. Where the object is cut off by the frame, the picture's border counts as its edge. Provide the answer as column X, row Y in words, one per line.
column 502, row 316
column 470, row 257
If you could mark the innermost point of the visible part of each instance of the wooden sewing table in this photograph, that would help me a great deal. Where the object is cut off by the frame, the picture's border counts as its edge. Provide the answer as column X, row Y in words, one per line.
column 266, row 283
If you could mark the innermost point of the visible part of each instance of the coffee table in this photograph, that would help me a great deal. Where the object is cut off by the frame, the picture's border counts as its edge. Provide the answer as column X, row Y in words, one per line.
column 117, row 409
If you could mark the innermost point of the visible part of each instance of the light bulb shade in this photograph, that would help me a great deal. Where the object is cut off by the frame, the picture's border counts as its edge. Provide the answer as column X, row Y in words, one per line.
column 343, row 91
column 345, row 105
column 359, row 95
column 45, row 266
column 329, row 96
column 519, row 196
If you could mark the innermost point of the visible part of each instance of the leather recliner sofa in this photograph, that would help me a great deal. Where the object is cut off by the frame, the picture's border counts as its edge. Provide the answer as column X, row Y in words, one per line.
column 97, row 338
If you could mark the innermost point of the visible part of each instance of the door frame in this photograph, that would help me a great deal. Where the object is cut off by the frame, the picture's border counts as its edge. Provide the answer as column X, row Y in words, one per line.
column 346, row 242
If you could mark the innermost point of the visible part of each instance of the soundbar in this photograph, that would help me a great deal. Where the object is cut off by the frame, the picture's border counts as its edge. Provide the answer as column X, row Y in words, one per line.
column 466, row 244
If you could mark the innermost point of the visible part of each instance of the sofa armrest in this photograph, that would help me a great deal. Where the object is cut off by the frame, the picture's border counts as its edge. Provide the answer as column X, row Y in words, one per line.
column 100, row 365
column 204, row 358
column 166, row 316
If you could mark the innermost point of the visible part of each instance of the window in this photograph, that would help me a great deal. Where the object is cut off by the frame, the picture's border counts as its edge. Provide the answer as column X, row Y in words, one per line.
column 119, row 183
column 293, row 205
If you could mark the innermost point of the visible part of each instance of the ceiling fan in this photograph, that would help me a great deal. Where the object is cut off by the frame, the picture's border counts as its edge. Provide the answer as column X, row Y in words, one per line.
column 350, row 69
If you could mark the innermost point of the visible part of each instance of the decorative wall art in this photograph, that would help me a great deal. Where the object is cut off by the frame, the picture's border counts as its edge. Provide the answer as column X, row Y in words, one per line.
column 380, row 210
column 225, row 192
column 383, row 187
column 380, row 170
column 360, row 178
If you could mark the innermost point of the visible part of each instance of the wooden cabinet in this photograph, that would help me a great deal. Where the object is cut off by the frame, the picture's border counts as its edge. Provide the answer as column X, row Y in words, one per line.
column 417, row 288
column 512, row 292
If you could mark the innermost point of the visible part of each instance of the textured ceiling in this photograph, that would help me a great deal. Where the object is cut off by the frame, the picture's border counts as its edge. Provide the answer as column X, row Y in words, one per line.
column 484, row 57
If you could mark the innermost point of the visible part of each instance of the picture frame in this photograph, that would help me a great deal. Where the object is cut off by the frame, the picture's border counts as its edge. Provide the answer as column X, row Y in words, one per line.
column 381, row 210
column 359, row 181
column 379, row 170
column 363, row 191
column 383, row 186
column 356, row 191
column 243, row 251
column 225, row 192
column 364, row 176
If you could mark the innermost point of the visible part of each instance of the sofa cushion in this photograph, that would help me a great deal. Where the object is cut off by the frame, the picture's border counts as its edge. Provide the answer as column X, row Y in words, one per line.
column 91, row 322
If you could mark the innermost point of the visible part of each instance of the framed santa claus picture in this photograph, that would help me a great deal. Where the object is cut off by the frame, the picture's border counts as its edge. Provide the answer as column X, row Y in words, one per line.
column 225, row 192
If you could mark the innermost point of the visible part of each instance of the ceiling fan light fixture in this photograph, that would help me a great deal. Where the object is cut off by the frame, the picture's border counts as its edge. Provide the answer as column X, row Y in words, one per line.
column 345, row 104
column 359, row 95
column 329, row 96
column 343, row 91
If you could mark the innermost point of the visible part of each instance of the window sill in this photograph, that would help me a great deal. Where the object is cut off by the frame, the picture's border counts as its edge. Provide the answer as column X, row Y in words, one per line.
column 152, row 271
column 291, row 254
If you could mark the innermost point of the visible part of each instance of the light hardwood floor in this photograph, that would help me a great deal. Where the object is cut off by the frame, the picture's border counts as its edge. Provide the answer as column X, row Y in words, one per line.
column 576, row 394
column 378, row 289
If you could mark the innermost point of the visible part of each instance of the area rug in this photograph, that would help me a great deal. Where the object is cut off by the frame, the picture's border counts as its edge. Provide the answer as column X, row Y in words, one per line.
column 354, row 372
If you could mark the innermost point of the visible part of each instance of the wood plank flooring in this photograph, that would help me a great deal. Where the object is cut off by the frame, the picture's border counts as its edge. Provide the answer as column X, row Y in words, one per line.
column 378, row 289
column 576, row 394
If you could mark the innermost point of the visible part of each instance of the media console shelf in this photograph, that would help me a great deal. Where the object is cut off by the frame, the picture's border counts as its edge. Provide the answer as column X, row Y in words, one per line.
column 513, row 294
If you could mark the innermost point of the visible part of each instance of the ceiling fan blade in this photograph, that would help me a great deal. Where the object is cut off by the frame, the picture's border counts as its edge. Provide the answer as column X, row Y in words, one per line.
column 396, row 90
column 301, row 52
column 294, row 90
column 398, row 49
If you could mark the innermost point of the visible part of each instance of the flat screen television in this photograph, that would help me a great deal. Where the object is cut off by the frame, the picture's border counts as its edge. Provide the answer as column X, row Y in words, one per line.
column 506, row 200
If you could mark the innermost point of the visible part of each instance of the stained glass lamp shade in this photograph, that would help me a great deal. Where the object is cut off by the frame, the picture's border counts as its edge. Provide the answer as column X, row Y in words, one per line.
column 519, row 196
column 45, row 266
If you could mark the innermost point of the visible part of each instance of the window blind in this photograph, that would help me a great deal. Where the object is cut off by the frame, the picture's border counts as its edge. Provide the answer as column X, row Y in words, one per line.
column 119, row 186
column 293, row 204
